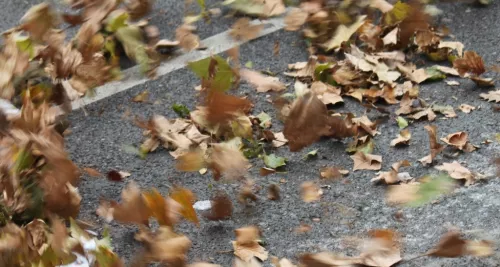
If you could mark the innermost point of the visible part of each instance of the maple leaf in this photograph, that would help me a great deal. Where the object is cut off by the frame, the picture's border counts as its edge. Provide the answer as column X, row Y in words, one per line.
column 402, row 139
column 246, row 246
column 279, row 139
column 465, row 108
column 257, row 7
column 186, row 199
column 419, row 193
column 139, row 8
column 221, row 107
column 242, row 29
column 310, row 192
column 38, row 20
column 133, row 42
column 260, row 82
column 343, row 33
column 272, row 161
column 221, row 208
column 435, row 147
column 191, row 161
column 470, row 62
column 364, row 161
column 491, row 96
column 457, row 171
column 304, row 69
column 391, row 37
column 295, row 18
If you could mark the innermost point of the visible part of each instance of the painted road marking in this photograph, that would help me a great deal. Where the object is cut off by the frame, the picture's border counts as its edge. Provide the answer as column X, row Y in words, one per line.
column 216, row 44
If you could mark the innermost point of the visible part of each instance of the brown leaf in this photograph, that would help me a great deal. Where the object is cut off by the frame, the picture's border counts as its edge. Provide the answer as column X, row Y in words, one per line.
column 402, row 139
column 303, row 69
column 227, row 161
column 364, row 161
column 435, row 147
column 186, row 199
column 186, row 38
column 480, row 248
column 165, row 210
column 260, row 82
column 402, row 193
column 466, row 108
column 332, row 173
column 133, row 208
column 295, row 19
column 470, row 62
column 458, row 140
column 382, row 249
column 457, row 171
column 491, row 96
column 279, row 140
column 191, row 161
column 247, row 246
column 38, row 20
column 308, row 120
column 451, row 245
column 326, row 259
column 222, row 107
column 416, row 20
column 165, row 246
column 273, row 192
column 393, row 176
column 92, row 172
column 141, row 97
column 222, row 208
column 303, row 228
column 139, row 8
column 242, row 29
column 310, row 192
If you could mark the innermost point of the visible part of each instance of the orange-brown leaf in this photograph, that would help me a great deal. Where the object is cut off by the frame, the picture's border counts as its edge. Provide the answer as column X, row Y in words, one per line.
column 470, row 62
column 185, row 198
column 222, row 107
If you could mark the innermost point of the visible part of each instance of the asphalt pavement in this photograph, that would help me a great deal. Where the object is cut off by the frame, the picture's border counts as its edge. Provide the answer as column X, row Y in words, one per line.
column 348, row 208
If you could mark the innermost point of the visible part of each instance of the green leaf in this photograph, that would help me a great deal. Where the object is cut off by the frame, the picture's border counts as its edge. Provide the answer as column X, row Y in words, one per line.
column 249, row 7
column 319, row 71
column 265, row 120
column 432, row 188
column 402, row 123
column 224, row 75
column 398, row 13
column 497, row 137
column 25, row 44
column 181, row 110
column 202, row 5
column 130, row 149
column 367, row 147
column 132, row 41
column 434, row 74
column 249, row 65
column 311, row 154
column 116, row 20
column 273, row 161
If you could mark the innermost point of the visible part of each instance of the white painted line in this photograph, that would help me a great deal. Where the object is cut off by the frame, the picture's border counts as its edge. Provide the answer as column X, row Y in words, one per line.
column 216, row 44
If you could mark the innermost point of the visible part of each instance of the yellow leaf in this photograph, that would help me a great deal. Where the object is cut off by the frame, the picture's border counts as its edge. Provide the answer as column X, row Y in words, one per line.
column 185, row 198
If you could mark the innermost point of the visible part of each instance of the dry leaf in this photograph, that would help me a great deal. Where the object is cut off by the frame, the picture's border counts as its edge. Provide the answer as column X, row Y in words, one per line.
column 465, row 108
column 391, row 37
column 393, row 176
column 191, row 161
column 435, row 147
column 165, row 210
column 295, row 19
column 260, row 82
column 458, row 140
column 92, row 172
column 491, row 96
column 222, row 208
column 247, row 246
column 402, row 193
column 382, row 249
column 457, row 171
column 325, row 259
column 273, row 192
column 343, row 33
column 458, row 46
column 222, row 107
column 403, row 138
column 364, row 161
column 164, row 246
column 243, row 30
column 310, row 192
column 228, row 162
column 331, row 173
column 451, row 245
column 279, row 140
column 133, row 208
column 186, row 38
column 141, row 97
column 303, row 228
column 186, row 199
column 470, row 62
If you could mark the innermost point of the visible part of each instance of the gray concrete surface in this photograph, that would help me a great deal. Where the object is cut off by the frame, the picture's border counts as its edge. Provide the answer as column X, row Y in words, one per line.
column 346, row 209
